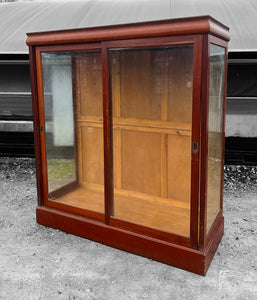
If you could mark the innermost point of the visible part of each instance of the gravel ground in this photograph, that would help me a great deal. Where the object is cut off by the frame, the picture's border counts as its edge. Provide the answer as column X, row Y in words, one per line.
column 42, row 263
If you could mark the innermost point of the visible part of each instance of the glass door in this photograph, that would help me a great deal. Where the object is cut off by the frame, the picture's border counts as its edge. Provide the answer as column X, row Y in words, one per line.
column 72, row 97
column 152, row 96
column 142, row 173
column 59, row 122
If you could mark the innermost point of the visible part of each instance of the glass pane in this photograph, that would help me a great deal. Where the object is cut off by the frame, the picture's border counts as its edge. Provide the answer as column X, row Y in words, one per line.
column 152, row 116
column 216, row 96
column 59, row 123
column 72, row 84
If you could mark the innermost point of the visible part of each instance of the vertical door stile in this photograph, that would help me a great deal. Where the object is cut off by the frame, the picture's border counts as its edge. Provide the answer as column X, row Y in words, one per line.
column 41, row 121
column 107, row 123
column 164, row 136
column 115, row 87
column 223, row 126
column 204, row 142
column 36, row 123
column 194, row 212
column 75, row 115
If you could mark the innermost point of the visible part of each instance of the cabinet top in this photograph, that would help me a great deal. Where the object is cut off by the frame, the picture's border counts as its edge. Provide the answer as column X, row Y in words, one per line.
column 171, row 27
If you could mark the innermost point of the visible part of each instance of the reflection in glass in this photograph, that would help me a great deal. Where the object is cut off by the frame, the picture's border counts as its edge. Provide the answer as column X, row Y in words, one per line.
column 215, row 139
column 72, row 85
column 59, row 122
column 152, row 117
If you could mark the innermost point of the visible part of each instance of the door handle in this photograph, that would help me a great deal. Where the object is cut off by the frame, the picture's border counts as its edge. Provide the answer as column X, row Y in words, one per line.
column 41, row 129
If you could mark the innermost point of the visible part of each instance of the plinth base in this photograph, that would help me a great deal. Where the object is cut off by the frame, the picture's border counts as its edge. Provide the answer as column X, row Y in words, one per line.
column 165, row 252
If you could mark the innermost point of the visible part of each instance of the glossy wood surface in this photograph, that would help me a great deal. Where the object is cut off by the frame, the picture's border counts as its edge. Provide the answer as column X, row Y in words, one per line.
column 169, row 253
column 41, row 124
column 204, row 141
column 173, row 27
column 148, row 217
column 36, row 124
column 196, row 137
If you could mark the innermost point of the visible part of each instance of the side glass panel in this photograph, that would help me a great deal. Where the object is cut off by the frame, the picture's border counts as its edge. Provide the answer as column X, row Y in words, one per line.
column 72, row 86
column 216, row 96
column 152, row 120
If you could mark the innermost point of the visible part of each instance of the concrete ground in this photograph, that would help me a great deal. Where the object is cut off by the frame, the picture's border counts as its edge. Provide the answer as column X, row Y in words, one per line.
column 42, row 263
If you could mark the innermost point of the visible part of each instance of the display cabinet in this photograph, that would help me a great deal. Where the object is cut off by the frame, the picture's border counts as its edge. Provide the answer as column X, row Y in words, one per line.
column 129, row 135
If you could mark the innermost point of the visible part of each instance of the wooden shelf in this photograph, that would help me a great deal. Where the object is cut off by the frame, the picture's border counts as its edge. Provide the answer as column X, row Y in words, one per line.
column 151, row 213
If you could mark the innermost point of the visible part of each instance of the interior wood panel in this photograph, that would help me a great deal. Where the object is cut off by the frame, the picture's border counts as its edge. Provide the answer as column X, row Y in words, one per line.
column 140, row 162
column 164, row 167
column 89, row 106
column 180, row 82
column 89, row 77
column 179, row 167
column 92, row 155
column 139, row 97
column 116, row 87
column 117, row 158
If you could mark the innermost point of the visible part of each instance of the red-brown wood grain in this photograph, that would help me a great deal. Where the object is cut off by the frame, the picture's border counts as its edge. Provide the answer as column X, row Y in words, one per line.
column 212, row 230
column 182, row 257
column 172, row 254
column 41, row 124
column 175, row 27
column 204, row 141
column 75, row 210
column 108, row 152
column 152, row 232
column 36, row 124
column 192, row 253
column 194, row 210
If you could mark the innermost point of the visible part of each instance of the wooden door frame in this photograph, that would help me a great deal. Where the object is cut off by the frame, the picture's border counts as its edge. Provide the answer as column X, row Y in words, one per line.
column 41, row 139
column 146, row 43
column 157, row 42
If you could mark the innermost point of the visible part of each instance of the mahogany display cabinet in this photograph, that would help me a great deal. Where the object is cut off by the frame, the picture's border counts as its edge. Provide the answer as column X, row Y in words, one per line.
column 129, row 135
